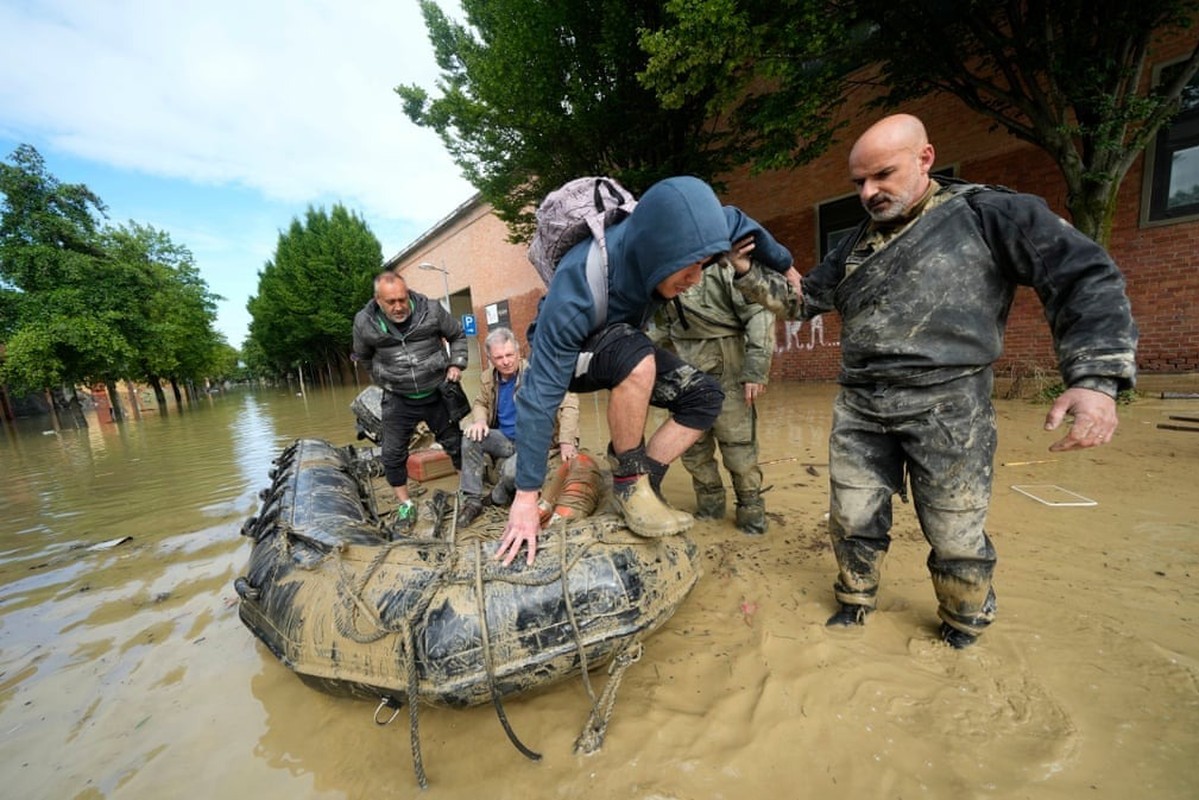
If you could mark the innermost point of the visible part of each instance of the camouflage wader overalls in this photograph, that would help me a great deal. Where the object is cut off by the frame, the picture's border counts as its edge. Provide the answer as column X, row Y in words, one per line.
column 732, row 340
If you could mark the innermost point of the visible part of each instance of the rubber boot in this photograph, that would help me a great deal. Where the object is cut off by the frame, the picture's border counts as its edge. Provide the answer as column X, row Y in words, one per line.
column 657, row 472
column 709, row 504
column 848, row 616
column 751, row 514
column 644, row 511
column 957, row 639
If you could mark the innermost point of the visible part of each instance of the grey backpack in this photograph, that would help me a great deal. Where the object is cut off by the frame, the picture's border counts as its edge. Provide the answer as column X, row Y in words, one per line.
column 574, row 211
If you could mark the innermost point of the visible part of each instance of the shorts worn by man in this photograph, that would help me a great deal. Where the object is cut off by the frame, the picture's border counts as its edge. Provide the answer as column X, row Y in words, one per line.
column 678, row 227
column 924, row 287
column 493, row 430
column 713, row 327
column 402, row 337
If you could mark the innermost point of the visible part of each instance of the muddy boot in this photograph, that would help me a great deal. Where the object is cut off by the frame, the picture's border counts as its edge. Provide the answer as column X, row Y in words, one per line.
column 643, row 509
column 469, row 510
column 957, row 639
column 644, row 512
column 709, row 504
column 848, row 616
column 751, row 514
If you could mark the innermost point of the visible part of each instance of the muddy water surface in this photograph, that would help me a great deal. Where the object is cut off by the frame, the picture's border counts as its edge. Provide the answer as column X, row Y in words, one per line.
column 124, row 671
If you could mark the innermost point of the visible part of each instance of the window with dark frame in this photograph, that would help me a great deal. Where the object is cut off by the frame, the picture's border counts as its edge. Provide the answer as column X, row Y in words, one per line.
column 1172, row 161
column 837, row 219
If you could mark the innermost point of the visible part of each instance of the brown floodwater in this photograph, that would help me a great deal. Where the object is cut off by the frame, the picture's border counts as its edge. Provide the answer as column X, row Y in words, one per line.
column 125, row 672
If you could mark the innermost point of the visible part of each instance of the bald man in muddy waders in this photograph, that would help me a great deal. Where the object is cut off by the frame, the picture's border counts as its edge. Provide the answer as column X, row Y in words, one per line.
column 924, row 287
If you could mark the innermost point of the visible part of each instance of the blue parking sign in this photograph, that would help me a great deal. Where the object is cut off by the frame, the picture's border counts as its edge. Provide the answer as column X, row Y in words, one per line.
column 468, row 325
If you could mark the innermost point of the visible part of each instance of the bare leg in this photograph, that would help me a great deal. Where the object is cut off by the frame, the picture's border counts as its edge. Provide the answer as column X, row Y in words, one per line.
column 670, row 441
column 627, row 412
column 628, row 406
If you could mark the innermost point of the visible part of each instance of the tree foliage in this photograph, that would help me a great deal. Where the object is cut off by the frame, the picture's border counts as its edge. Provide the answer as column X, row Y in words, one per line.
column 536, row 92
column 82, row 303
column 165, row 305
column 308, row 294
column 1065, row 76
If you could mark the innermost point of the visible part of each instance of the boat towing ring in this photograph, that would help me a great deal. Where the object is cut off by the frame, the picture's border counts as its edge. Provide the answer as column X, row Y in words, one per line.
column 387, row 702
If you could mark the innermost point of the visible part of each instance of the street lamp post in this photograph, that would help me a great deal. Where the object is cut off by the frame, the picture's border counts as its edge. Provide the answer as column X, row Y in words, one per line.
column 445, row 277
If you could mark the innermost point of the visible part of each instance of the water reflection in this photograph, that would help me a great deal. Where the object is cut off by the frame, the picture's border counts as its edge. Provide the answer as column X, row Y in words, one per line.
column 253, row 433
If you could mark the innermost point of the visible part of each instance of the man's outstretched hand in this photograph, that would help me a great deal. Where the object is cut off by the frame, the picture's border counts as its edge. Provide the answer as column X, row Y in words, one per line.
column 1094, row 420
column 524, row 524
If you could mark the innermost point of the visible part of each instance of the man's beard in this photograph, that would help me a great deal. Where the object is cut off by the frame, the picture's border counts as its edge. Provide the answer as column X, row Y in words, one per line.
column 895, row 209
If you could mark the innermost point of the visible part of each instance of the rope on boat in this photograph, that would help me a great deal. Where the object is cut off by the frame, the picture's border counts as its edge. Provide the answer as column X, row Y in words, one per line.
column 418, row 763
column 495, row 692
column 560, row 526
column 591, row 738
column 353, row 607
column 349, row 591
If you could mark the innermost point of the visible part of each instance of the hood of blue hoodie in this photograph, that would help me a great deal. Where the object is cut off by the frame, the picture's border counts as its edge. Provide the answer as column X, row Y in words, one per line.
column 677, row 222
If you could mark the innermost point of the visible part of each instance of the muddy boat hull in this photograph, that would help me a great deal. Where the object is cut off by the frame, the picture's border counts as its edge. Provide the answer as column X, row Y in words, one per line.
column 439, row 618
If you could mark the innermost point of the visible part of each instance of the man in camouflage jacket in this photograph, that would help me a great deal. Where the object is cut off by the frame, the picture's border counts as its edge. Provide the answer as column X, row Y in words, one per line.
column 716, row 329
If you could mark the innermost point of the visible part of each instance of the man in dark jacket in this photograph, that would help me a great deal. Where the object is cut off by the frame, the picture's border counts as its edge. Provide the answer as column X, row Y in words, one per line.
column 677, row 228
column 924, row 287
column 402, row 337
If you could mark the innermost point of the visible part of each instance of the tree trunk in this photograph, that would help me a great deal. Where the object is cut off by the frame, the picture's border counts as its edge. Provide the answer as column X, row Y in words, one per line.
column 6, row 410
column 160, row 396
column 134, row 401
column 72, row 406
column 54, row 420
column 300, row 372
column 114, row 399
column 1092, row 204
column 178, row 395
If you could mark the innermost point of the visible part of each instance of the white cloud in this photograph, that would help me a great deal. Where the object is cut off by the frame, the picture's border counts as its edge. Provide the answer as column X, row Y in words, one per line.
column 292, row 99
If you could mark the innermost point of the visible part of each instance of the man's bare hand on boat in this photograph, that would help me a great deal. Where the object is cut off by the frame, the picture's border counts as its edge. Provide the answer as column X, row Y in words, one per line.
column 524, row 524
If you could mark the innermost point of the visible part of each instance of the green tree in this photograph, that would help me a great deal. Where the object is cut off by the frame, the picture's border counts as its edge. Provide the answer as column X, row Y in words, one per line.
column 536, row 92
column 85, row 304
column 61, row 329
column 166, row 308
column 308, row 294
column 1064, row 76
column 226, row 363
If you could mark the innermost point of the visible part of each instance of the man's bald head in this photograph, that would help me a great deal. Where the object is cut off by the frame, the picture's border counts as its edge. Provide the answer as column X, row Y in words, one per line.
column 889, row 164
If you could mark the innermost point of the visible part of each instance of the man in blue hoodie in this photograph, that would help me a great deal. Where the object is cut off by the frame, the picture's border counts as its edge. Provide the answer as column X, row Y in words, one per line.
column 677, row 228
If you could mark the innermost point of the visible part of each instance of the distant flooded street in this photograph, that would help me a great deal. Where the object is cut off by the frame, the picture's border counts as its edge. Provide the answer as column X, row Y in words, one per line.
column 126, row 673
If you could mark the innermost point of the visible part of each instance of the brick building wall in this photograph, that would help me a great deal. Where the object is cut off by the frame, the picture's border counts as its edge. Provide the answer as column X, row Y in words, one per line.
column 1159, row 262
column 482, row 269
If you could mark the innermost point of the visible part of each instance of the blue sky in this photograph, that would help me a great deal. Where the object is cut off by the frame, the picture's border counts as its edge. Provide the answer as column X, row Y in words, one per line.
column 219, row 122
